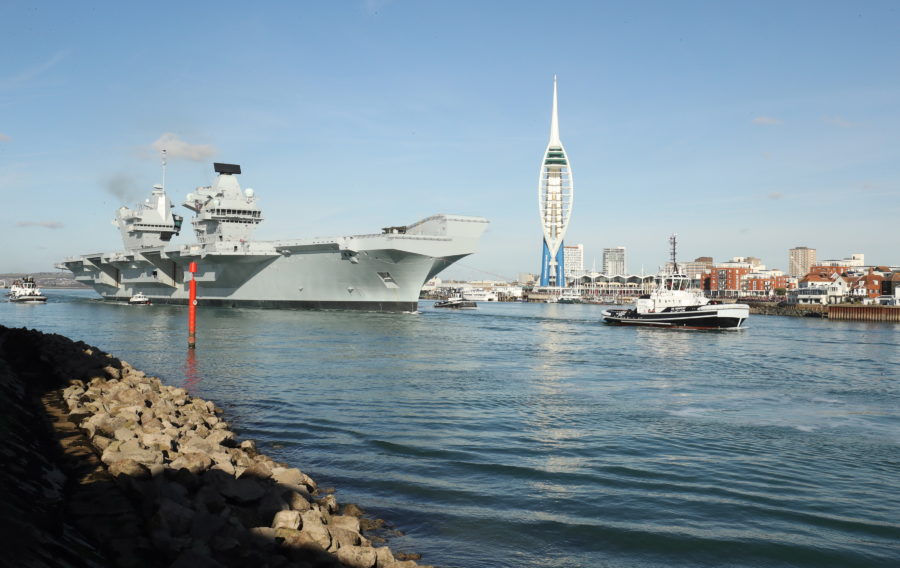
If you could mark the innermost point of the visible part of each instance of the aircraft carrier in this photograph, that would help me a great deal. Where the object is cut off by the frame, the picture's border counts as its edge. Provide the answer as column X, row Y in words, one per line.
column 376, row 272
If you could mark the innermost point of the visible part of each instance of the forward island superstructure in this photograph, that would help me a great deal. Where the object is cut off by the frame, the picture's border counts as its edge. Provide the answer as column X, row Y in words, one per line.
column 375, row 272
column 555, row 197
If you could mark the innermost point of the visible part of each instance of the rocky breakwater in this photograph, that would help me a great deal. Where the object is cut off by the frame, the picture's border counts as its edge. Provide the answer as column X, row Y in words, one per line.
column 160, row 479
column 783, row 309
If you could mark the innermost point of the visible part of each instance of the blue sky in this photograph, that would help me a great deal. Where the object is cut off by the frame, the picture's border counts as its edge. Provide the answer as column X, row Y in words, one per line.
column 748, row 128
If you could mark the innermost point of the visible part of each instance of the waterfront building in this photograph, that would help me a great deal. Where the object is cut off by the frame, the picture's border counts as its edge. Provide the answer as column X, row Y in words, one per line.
column 614, row 261
column 817, row 289
column 857, row 260
column 725, row 279
column 614, row 288
column 555, row 195
column 573, row 259
column 800, row 259
column 696, row 269
column 766, row 282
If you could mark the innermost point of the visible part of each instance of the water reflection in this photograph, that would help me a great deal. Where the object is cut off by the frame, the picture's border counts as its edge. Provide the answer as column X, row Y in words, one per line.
column 191, row 377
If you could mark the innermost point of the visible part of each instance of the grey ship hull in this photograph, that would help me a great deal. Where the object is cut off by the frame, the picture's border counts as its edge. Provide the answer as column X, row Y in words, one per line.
column 382, row 272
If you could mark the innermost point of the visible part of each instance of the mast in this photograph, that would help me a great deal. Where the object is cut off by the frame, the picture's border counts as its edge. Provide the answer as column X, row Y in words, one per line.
column 164, row 169
column 672, row 242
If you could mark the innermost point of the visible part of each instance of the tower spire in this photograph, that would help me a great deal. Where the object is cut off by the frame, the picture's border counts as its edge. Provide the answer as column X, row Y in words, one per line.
column 554, row 119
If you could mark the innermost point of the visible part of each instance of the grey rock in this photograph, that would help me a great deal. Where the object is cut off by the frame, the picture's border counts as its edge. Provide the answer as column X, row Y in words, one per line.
column 345, row 522
column 124, row 434
column 196, row 443
column 271, row 503
column 286, row 520
column 100, row 442
column 341, row 537
column 357, row 556
column 298, row 501
column 175, row 517
column 157, row 441
column 242, row 490
column 298, row 540
column 383, row 556
column 194, row 462
column 329, row 503
column 221, row 437
column 209, row 498
column 315, row 529
column 259, row 470
column 205, row 526
column 130, row 468
column 249, row 446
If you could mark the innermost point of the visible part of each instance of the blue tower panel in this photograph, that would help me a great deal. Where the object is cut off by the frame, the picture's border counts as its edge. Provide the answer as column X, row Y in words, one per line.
column 560, row 266
column 545, row 265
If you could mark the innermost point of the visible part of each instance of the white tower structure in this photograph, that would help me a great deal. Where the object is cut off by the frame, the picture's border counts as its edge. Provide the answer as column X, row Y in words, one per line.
column 555, row 196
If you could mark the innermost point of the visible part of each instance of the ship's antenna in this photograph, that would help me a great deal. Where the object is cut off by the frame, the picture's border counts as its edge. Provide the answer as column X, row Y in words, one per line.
column 672, row 241
column 164, row 168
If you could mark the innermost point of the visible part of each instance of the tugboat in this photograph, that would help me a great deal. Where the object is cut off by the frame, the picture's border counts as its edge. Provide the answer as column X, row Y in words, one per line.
column 675, row 304
column 25, row 291
column 457, row 303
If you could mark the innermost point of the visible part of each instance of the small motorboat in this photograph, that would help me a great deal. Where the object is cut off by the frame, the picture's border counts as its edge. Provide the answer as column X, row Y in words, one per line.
column 139, row 299
column 25, row 291
column 457, row 303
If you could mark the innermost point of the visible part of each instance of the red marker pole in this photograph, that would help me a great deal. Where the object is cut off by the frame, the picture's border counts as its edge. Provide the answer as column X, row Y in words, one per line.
column 192, row 308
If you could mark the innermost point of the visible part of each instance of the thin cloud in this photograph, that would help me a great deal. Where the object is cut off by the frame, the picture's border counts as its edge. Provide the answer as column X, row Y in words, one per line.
column 767, row 120
column 775, row 195
column 175, row 147
column 840, row 121
column 44, row 224
column 4, row 137
column 28, row 75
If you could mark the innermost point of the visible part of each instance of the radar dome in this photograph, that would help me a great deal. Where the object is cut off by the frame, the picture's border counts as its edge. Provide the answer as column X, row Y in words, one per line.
column 190, row 197
column 249, row 192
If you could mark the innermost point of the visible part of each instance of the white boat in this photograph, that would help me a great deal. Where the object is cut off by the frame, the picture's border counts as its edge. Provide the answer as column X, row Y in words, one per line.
column 479, row 295
column 25, row 291
column 457, row 303
column 139, row 299
column 675, row 304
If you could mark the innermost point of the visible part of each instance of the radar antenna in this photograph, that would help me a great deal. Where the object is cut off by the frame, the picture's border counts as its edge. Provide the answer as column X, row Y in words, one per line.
column 672, row 241
column 164, row 168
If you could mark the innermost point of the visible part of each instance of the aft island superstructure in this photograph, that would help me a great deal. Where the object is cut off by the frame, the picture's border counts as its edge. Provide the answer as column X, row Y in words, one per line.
column 376, row 272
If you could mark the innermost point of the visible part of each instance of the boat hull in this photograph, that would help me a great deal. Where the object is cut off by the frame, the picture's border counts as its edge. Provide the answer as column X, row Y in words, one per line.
column 28, row 299
column 456, row 305
column 714, row 317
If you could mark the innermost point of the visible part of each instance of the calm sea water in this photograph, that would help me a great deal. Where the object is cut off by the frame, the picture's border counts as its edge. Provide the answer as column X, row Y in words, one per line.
column 530, row 435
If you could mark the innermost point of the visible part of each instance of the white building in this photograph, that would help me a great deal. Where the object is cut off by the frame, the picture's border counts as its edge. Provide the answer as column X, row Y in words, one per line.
column 820, row 290
column 614, row 261
column 573, row 260
column 800, row 259
column 857, row 260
